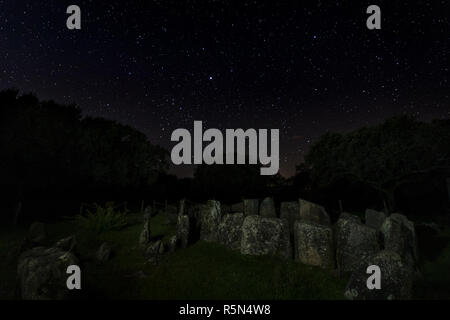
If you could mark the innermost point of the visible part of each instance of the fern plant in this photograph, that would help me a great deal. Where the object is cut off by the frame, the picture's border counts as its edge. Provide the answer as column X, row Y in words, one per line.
column 102, row 219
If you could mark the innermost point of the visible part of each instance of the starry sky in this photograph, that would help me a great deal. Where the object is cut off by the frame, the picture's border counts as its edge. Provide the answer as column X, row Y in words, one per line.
column 302, row 67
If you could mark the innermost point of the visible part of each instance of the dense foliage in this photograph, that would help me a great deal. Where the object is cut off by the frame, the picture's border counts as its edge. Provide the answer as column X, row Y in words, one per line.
column 50, row 153
column 382, row 158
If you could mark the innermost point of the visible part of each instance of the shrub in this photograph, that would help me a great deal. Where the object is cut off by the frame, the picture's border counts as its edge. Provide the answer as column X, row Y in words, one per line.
column 102, row 219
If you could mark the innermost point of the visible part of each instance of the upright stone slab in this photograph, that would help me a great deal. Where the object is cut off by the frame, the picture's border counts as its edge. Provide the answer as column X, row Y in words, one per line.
column 225, row 209
column 311, row 212
column 237, row 207
column 144, row 238
column 267, row 208
column 265, row 236
column 396, row 279
column 291, row 212
column 183, row 230
column 230, row 230
column 210, row 219
column 349, row 216
column 314, row 244
column 354, row 243
column 375, row 219
column 251, row 207
column 399, row 236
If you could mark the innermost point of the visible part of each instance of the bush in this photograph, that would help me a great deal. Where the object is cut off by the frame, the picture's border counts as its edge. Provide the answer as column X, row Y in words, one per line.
column 102, row 219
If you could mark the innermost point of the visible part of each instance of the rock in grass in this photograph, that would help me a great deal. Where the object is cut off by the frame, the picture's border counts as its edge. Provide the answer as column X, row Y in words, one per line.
column 183, row 230
column 154, row 251
column 291, row 212
column 172, row 243
column 314, row 244
column 311, row 212
column 265, row 236
column 396, row 279
column 103, row 252
column 67, row 244
column 267, row 208
column 374, row 219
column 399, row 236
column 230, row 230
column 42, row 273
column 210, row 219
column 354, row 242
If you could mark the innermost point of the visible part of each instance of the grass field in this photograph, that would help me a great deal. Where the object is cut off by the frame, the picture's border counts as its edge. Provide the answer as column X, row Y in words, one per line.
column 201, row 271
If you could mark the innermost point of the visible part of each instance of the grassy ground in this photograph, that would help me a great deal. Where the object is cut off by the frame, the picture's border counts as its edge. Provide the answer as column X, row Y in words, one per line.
column 201, row 271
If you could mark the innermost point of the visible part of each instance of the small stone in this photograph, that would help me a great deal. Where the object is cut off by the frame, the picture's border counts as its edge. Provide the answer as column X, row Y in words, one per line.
column 103, row 252
column 67, row 244
column 173, row 242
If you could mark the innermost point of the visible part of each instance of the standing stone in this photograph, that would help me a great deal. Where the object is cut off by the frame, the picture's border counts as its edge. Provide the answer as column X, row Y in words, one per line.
column 267, row 208
column 225, row 209
column 291, row 212
column 237, row 207
column 354, row 242
column 148, row 211
column 154, row 251
column 144, row 238
column 210, row 219
column 42, row 273
column 172, row 243
column 181, row 207
column 265, row 236
column 348, row 216
column 251, row 207
column 183, row 230
column 230, row 230
column 311, row 212
column 396, row 279
column 374, row 219
column 399, row 236
column 314, row 244
column 104, row 252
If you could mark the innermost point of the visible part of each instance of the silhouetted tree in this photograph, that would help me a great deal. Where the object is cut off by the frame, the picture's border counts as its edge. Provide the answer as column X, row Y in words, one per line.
column 49, row 153
column 381, row 156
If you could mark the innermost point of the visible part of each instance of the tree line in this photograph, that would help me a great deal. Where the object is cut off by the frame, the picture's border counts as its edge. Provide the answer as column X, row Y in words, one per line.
column 52, row 158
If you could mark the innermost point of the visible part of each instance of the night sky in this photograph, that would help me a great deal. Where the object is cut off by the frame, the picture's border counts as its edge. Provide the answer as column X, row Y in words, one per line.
column 302, row 67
